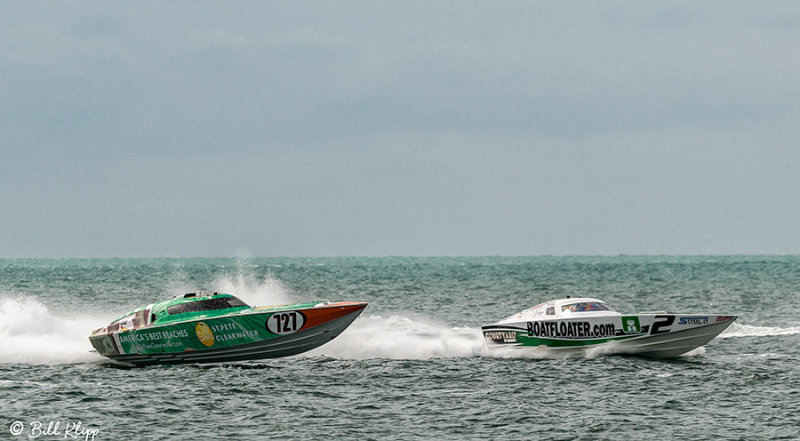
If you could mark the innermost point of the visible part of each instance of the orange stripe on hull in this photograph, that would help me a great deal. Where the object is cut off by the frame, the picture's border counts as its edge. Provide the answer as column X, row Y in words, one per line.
column 320, row 315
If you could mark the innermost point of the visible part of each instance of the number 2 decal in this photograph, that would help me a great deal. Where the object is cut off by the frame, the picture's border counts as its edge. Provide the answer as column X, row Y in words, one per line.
column 285, row 322
column 662, row 321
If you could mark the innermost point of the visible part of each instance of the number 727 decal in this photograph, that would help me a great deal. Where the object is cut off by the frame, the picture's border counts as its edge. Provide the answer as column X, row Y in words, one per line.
column 285, row 322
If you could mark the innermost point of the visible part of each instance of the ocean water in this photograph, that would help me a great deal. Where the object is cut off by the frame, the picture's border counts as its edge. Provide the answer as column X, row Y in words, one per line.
column 414, row 365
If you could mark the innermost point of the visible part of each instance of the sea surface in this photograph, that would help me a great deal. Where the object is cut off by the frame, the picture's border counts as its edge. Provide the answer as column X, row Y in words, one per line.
column 414, row 365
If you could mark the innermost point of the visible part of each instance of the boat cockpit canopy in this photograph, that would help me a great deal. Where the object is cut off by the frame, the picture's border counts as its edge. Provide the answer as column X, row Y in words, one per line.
column 207, row 305
column 586, row 307
column 562, row 308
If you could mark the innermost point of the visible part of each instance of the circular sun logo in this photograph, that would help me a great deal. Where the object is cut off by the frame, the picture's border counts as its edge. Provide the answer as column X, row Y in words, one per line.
column 204, row 334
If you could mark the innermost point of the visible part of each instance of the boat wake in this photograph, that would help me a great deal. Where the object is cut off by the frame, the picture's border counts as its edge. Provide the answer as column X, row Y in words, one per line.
column 400, row 337
column 740, row 330
column 31, row 334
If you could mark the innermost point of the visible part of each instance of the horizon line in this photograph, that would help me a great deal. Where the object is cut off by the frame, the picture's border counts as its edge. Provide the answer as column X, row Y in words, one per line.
column 400, row 256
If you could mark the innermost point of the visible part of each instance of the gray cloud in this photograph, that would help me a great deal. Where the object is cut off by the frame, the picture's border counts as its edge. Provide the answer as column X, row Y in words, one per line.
column 447, row 128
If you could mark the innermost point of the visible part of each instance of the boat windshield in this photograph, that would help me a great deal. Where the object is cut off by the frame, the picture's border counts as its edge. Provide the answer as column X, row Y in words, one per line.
column 586, row 307
column 140, row 319
column 206, row 305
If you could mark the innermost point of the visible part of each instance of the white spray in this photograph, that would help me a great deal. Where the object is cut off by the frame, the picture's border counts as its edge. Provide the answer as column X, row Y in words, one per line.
column 401, row 337
column 31, row 334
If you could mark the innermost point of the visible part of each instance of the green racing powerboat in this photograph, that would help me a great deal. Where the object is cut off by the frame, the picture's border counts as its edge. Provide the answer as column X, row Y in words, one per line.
column 202, row 328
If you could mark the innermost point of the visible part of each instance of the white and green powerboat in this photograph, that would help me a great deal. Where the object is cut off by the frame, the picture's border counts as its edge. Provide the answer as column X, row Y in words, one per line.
column 578, row 325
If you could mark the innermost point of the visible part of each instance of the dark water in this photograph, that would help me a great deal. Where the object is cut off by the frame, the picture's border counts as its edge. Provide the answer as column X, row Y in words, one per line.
column 414, row 365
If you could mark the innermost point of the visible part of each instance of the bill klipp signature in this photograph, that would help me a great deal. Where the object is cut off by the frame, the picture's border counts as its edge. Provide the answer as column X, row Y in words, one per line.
column 53, row 430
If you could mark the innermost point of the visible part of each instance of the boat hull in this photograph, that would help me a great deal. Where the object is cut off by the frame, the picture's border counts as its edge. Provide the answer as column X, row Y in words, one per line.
column 257, row 335
column 649, row 335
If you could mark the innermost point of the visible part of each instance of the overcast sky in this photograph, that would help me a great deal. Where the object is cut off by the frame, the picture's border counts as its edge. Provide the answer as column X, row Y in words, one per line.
column 398, row 128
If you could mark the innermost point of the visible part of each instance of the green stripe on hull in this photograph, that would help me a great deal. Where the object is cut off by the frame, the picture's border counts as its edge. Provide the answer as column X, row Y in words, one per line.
column 524, row 340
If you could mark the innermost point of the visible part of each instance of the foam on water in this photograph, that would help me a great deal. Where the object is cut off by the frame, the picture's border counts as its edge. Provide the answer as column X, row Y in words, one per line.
column 420, row 338
column 32, row 334
column 740, row 330
column 402, row 337
column 391, row 337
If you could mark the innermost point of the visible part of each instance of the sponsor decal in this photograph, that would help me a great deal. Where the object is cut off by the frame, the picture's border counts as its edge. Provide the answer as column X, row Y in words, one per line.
column 501, row 336
column 630, row 325
column 571, row 329
column 210, row 333
column 231, row 331
column 140, row 337
column 204, row 334
column 695, row 320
